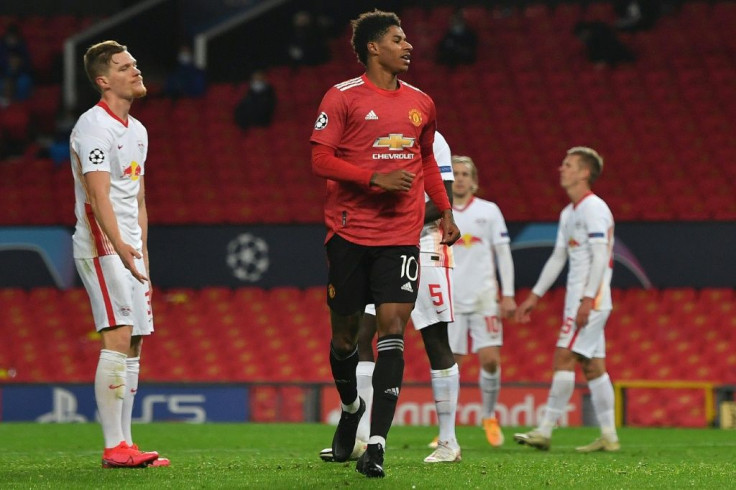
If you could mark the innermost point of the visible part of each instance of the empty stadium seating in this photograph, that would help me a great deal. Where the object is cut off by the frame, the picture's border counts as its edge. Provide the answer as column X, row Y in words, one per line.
column 661, row 123
column 281, row 335
column 664, row 124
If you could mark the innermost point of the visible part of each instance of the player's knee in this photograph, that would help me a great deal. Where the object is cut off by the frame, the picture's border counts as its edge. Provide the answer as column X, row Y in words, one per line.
column 490, row 365
column 342, row 347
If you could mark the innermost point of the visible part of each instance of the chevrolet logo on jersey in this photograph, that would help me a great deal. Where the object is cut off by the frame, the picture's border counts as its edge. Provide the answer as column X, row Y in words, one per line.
column 394, row 142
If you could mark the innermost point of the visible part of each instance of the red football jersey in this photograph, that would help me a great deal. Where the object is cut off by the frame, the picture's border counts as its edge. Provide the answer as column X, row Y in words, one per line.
column 378, row 130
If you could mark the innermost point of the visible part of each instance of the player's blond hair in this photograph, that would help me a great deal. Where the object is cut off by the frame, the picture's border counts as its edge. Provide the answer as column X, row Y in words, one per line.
column 591, row 159
column 97, row 59
column 467, row 161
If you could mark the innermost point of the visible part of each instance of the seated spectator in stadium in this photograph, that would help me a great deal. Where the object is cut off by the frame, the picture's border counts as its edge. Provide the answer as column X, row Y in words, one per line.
column 602, row 45
column 15, row 67
column 459, row 44
column 636, row 15
column 307, row 45
column 259, row 103
column 187, row 80
column 15, row 80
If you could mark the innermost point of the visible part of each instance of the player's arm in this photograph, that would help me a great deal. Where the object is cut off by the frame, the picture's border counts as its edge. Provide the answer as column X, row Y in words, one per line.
column 551, row 270
column 506, row 273
column 435, row 188
column 98, row 187
column 143, row 223
column 326, row 164
column 595, row 278
column 431, row 213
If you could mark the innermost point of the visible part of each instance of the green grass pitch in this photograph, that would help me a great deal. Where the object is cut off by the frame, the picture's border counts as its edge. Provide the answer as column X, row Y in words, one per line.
column 277, row 456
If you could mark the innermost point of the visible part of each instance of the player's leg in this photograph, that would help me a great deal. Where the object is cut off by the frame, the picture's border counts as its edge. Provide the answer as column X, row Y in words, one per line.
column 132, row 371
column 394, row 286
column 457, row 334
column 490, row 386
column 432, row 312
column 486, row 331
column 364, row 380
column 364, row 373
column 142, row 315
column 346, row 297
column 560, row 392
column 601, row 388
column 445, row 376
column 106, row 282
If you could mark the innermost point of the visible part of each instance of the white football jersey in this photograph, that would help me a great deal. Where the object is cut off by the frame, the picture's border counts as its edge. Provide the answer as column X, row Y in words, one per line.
column 102, row 142
column 588, row 222
column 432, row 252
column 482, row 226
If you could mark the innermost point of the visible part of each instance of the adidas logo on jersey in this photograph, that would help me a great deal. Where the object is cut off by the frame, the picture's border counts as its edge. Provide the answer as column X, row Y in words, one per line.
column 371, row 116
column 407, row 287
column 392, row 391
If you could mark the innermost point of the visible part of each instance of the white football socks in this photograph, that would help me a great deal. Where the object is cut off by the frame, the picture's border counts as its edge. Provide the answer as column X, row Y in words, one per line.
column 490, row 385
column 563, row 384
column 110, row 387
column 132, row 369
column 364, row 376
column 445, row 388
column 602, row 397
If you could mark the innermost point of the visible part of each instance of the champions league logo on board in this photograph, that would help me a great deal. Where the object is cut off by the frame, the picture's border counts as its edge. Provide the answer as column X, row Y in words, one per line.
column 247, row 257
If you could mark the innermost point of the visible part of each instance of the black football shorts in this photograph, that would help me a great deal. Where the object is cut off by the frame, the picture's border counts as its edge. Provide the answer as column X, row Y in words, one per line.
column 359, row 275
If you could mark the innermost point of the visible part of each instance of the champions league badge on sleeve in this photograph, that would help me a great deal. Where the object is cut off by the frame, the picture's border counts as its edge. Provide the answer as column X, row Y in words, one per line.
column 96, row 156
column 321, row 122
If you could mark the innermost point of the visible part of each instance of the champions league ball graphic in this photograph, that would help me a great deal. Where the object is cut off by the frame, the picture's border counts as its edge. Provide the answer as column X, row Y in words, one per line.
column 247, row 257
column 96, row 156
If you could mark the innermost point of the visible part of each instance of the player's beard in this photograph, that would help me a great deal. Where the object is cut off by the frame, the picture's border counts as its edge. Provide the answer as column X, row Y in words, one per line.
column 139, row 91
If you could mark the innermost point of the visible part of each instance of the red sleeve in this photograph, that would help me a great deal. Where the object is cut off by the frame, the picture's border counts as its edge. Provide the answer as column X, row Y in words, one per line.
column 433, row 184
column 326, row 164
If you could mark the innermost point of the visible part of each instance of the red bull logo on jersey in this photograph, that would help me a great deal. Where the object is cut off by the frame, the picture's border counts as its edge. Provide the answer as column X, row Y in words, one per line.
column 468, row 240
column 572, row 243
column 134, row 171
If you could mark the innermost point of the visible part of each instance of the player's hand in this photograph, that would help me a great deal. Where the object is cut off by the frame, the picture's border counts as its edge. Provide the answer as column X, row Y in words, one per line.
column 586, row 305
column 524, row 311
column 508, row 307
column 128, row 254
column 394, row 181
column 450, row 231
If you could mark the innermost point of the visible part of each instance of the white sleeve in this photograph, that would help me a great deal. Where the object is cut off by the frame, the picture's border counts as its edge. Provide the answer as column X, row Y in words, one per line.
column 505, row 268
column 93, row 146
column 597, row 269
column 443, row 155
column 550, row 271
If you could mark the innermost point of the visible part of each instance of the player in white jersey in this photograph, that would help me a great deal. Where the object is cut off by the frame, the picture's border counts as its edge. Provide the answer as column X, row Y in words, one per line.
column 432, row 313
column 478, row 313
column 585, row 240
column 108, row 149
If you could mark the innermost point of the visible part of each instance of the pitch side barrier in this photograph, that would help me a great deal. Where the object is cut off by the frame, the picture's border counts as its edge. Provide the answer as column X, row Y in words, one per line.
column 519, row 404
column 715, row 396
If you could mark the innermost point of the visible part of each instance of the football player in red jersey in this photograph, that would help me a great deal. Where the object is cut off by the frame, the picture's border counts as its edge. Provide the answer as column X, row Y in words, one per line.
column 373, row 141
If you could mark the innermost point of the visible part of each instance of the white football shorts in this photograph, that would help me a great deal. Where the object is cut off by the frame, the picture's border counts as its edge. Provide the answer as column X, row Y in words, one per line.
column 434, row 300
column 485, row 331
column 117, row 298
column 589, row 341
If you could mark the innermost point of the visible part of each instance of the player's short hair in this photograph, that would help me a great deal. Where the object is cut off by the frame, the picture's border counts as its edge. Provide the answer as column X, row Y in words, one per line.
column 97, row 59
column 369, row 27
column 591, row 159
column 463, row 160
